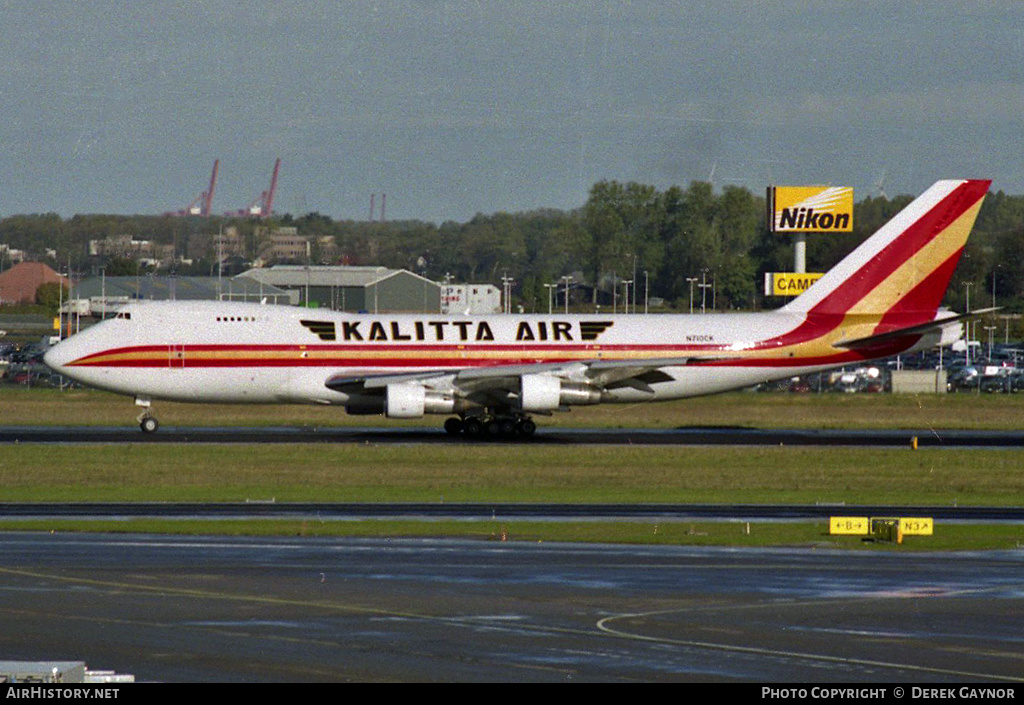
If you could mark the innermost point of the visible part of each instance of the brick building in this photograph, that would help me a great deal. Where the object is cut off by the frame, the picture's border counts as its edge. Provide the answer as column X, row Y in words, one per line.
column 19, row 283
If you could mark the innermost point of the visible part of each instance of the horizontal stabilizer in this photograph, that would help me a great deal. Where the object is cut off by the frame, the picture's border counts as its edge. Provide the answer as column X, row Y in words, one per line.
column 921, row 329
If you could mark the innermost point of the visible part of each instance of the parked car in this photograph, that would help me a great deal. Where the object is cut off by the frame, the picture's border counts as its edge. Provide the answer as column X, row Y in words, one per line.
column 963, row 379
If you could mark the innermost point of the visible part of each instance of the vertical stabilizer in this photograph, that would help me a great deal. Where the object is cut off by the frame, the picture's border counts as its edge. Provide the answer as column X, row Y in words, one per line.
column 906, row 266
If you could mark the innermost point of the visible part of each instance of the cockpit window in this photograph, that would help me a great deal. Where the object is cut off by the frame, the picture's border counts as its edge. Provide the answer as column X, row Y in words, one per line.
column 124, row 314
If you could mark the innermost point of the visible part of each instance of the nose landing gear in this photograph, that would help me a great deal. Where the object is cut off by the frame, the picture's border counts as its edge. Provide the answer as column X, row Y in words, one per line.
column 147, row 422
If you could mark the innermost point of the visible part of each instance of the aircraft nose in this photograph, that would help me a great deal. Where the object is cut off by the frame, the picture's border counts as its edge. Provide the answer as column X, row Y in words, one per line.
column 57, row 357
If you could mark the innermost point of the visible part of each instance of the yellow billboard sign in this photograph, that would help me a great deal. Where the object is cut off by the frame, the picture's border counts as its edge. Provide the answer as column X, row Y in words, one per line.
column 788, row 284
column 810, row 209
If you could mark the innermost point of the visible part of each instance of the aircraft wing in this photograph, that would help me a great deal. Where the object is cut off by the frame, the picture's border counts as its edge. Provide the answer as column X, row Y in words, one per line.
column 601, row 374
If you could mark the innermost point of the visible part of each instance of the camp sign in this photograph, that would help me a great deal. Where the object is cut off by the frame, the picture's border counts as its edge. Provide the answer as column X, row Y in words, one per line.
column 788, row 283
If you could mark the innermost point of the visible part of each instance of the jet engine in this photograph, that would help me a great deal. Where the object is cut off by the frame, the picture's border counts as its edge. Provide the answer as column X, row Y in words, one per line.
column 542, row 392
column 409, row 400
column 951, row 333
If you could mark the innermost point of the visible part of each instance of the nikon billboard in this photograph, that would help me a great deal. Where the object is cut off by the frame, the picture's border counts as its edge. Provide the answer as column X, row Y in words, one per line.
column 810, row 209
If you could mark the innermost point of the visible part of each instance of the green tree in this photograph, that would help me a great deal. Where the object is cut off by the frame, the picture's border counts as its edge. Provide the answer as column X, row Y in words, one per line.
column 121, row 267
column 50, row 295
column 622, row 224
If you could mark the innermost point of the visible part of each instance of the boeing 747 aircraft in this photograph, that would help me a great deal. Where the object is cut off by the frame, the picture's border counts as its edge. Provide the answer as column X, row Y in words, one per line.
column 490, row 373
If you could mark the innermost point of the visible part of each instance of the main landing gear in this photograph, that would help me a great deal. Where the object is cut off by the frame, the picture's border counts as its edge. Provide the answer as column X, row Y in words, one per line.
column 514, row 426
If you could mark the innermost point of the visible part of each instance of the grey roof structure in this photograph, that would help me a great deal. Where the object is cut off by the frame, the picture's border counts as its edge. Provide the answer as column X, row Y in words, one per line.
column 164, row 288
column 372, row 289
column 289, row 275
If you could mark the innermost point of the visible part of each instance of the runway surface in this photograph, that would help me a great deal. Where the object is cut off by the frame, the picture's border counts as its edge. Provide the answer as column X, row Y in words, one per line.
column 699, row 435
column 312, row 609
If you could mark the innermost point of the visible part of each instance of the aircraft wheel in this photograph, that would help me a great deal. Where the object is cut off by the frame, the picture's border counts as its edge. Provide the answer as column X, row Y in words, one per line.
column 526, row 428
column 453, row 426
column 149, row 424
column 474, row 427
column 506, row 427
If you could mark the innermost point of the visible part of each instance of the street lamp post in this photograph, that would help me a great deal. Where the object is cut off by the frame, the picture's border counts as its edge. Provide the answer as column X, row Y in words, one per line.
column 551, row 288
column 704, row 291
column 506, row 282
column 634, row 288
column 567, row 279
column 692, row 280
column 967, row 325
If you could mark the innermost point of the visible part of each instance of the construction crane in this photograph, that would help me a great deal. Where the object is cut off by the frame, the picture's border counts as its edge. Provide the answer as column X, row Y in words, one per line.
column 200, row 205
column 263, row 206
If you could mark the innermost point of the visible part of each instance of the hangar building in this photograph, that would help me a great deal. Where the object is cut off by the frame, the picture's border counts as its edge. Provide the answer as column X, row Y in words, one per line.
column 370, row 289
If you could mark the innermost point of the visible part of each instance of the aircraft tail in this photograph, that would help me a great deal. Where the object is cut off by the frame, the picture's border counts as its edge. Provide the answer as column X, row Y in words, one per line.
column 901, row 273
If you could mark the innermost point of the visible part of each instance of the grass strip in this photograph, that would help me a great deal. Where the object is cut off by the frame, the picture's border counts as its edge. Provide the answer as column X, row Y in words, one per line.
column 583, row 474
column 499, row 473
column 972, row 411
column 947, row 537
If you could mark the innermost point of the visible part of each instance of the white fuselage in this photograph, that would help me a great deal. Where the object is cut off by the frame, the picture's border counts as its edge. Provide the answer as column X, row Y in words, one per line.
column 236, row 352
column 881, row 299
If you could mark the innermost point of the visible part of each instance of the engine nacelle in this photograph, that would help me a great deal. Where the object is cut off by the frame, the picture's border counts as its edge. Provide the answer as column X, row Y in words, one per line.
column 946, row 336
column 951, row 333
column 542, row 392
column 409, row 400
column 539, row 392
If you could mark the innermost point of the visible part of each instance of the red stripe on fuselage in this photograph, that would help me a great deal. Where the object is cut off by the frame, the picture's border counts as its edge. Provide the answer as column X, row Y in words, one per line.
column 157, row 357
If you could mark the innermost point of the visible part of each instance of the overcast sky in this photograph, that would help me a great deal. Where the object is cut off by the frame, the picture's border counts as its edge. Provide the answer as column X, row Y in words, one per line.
column 457, row 108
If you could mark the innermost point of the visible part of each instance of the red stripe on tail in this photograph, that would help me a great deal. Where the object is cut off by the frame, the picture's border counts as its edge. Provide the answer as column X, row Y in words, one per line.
column 905, row 246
